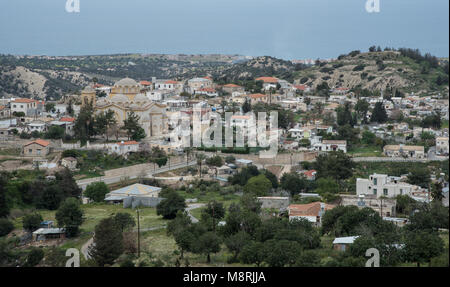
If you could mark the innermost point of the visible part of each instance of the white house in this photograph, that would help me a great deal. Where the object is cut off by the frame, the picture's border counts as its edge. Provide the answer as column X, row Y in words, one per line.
column 384, row 185
column 442, row 146
column 123, row 148
column 27, row 106
column 331, row 145
column 36, row 126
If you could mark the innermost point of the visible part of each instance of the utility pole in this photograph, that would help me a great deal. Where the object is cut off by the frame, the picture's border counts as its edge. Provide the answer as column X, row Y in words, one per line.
column 139, row 234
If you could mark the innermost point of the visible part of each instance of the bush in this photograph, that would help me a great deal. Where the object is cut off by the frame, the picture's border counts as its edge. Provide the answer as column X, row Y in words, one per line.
column 96, row 191
column 6, row 226
column 34, row 257
column 359, row 67
column 32, row 221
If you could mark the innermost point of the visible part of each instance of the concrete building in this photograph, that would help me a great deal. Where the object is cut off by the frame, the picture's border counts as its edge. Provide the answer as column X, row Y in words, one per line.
column 404, row 151
column 36, row 126
column 442, row 146
column 258, row 98
column 27, row 106
column 233, row 89
column 123, row 148
column 196, row 84
column 135, row 195
column 384, row 185
column 4, row 112
column 383, row 206
column 331, row 145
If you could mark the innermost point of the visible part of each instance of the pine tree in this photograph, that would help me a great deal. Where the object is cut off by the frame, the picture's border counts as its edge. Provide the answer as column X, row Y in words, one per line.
column 108, row 243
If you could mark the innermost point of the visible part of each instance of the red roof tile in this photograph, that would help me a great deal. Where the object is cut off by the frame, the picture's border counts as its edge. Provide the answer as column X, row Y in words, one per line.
column 39, row 142
column 128, row 143
column 310, row 209
column 67, row 119
column 267, row 79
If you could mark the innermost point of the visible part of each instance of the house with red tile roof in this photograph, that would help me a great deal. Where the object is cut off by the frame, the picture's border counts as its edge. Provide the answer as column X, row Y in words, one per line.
column 303, row 88
column 67, row 119
column 310, row 174
column 268, row 82
column 146, row 83
column 312, row 212
column 209, row 92
column 27, row 106
column 258, row 98
column 232, row 88
column 4, row 112
column 36, row 148
column 166, row 85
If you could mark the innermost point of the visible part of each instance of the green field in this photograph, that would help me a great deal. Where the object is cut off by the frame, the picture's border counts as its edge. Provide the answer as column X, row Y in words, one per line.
column 366, row 151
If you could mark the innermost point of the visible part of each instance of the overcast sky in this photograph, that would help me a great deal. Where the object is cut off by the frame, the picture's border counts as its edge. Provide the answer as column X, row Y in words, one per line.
column 289, row 29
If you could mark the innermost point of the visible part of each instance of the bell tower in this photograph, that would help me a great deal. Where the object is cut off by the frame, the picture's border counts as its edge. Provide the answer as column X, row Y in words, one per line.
column 88, row 95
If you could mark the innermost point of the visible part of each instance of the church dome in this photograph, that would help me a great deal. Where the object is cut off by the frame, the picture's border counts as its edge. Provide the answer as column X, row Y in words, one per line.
column 127, row 82
column 119, row 99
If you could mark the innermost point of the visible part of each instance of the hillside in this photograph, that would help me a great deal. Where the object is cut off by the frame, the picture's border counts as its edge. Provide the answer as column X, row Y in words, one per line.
column 379, row 71
column 53, row 76
column 254, row 68
column 40, row 76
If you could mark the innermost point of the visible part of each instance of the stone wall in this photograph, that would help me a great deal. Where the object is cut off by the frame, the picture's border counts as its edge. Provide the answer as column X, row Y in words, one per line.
column 279, row 203
column 388, row 208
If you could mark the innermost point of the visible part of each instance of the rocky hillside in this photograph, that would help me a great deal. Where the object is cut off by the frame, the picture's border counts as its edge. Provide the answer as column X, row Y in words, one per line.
column 52, row 77
column 257, row 67
column 379, row 71
column 41, row 76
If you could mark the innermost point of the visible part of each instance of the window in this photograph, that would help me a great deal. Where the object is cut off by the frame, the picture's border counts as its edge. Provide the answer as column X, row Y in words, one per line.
column 385, row 191
column 374, row 191
column 375, row 181
column 401, row 191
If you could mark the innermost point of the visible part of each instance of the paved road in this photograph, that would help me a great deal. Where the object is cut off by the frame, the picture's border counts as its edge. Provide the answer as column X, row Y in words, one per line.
column 397, row 159
column 114, row 179
column 85, row 248
column 192, row 207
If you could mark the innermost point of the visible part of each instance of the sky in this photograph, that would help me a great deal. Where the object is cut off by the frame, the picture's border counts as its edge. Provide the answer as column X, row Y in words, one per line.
column 288, row 29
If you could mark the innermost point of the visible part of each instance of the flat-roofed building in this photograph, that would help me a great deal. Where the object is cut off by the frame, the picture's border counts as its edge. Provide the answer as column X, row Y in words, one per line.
column 442, row 146
column 331, row 145
column 408, row 151
column 387, row 186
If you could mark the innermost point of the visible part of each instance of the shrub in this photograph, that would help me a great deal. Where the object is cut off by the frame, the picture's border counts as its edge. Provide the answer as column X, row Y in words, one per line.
column 6, row 226
column 32, row 221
